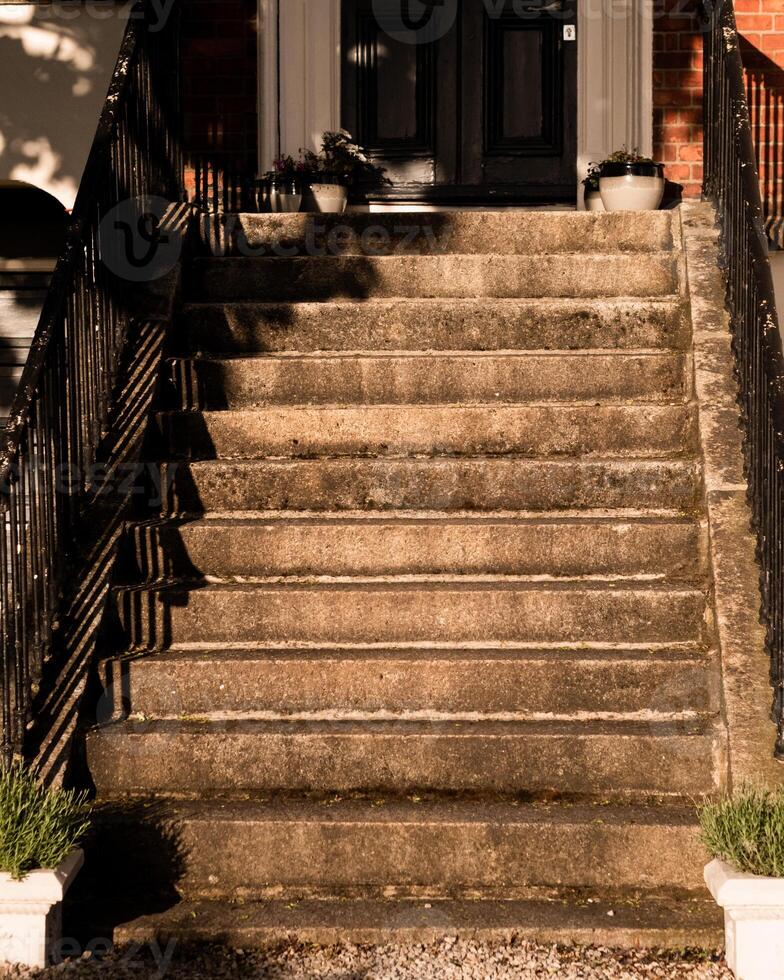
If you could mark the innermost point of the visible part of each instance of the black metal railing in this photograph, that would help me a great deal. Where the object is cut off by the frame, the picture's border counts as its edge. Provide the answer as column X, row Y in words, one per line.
column 732, row 183
column 58, row 419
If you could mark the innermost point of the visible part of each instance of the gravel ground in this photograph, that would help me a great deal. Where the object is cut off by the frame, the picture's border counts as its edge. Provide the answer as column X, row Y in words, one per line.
column 447, row 960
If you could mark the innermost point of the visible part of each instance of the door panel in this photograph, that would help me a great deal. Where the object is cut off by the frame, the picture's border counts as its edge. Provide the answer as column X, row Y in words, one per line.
column 389, row 95
column 487, row 111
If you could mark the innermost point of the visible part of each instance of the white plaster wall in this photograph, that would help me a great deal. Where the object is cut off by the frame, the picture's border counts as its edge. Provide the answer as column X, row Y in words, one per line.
column 55, row 65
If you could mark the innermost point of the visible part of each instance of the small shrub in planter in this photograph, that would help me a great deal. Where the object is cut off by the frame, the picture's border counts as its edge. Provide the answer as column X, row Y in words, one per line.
column 40, row 830
column 744, row 834
column 629, row 181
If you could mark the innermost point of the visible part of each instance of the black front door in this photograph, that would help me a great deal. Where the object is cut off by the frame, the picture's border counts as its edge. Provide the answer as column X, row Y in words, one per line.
column 472, row 100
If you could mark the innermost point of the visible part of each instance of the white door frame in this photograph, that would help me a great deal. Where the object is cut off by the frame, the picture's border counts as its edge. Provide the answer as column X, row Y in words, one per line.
column 306, row 79
column 614, row 76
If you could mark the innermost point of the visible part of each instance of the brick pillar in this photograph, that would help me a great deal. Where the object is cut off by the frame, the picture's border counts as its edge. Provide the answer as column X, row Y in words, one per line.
column 677, row 93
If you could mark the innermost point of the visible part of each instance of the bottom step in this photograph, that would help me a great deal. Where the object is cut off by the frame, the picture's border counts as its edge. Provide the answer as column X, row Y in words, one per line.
column 637, row 922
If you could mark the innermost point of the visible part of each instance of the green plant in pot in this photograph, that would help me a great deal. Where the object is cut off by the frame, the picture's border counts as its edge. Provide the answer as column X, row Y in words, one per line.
column 744, row 834
column 591, row 194
column 629, row 181
column 341, row 164
column 40, row 832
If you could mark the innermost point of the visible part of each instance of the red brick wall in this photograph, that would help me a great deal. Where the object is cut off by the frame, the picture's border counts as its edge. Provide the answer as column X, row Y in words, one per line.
column 219, row 62
column 677, row 93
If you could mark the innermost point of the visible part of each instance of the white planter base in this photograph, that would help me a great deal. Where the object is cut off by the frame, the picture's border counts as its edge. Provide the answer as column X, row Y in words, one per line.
column 593, row 201
column 753, row 921
column 329, row 198
column 631, row 193
column 31, row 913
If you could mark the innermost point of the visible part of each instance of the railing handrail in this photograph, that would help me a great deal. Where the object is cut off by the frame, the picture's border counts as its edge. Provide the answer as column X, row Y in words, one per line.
column 732, row 182
column 55, row 296
column 62, row 409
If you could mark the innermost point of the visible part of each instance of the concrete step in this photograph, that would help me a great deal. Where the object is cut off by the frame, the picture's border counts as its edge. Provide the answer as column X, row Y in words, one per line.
column 559, row 682
column 638, row 921
column 480, row 484
column 431, row 233
column 419, row 379
column 482, row 611
column 266, row 848
column 325, row 278
column 429, row 324
column 431, row 430
column 585, row 758
column 379, row 544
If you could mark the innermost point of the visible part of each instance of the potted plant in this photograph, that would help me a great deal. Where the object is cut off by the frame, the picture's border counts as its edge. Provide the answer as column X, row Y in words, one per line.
column 40, row 830
column 341, row 164
column 591, row 195
column 744, row 834
column 629, row 181
column 282, row 187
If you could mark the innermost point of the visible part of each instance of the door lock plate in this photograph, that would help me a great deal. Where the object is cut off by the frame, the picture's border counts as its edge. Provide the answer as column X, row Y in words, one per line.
column 570, row 32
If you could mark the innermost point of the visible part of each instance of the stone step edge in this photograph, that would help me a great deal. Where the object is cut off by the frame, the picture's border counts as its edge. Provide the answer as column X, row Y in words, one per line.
column 653, row 922
column 687, row 405
column 667, row 653
column 434, row 584
column 572, row 302
column 201, row 728
column 382, row 809
column 353, row 258
column 341, row 354
column 382, row 518
column 695, row 647
column 229, row 518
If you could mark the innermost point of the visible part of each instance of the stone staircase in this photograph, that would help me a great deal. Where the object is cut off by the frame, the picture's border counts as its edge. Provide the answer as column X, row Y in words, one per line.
column 422, row 639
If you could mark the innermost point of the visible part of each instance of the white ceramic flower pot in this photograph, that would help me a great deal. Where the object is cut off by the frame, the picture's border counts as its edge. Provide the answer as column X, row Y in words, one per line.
column 283, row 203
column 593, row 201
column 753, row 921
column 31, row 913
column 329, row 198
column 631, row 192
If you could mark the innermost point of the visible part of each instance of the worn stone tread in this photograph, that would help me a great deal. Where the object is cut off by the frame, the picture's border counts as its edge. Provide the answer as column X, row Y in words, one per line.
column 540, row 429
column 487, row 324
column 322, row 278
column 396, row 544
column 375, row 378
column 452, row 609
column 655, row 922
column 585, row 758
column 501, row 848
column 431, row 682
column 439, row 483
column 422, row 232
